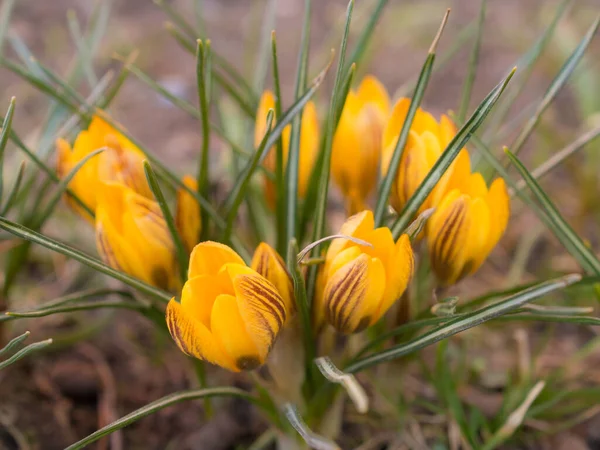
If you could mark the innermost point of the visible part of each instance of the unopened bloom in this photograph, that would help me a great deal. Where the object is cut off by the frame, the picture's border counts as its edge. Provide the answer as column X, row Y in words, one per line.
column 359, row 283
column 309, row 144
column 132, row 236
column 229, row 315
column 120, row 161
column 357, row 142
column 268, row 263
column 465, row 227
column 427, row 139
column 187, row 214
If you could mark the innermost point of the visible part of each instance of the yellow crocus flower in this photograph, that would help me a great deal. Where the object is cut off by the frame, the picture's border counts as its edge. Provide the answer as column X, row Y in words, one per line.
column 268, row 263
column 309, row 144
column 465, row 227
column 426, row 141
column 229, row 315
column 132, row 236
column 187, row 214
column 121, row 161
column 358, row 284
column 357, row 142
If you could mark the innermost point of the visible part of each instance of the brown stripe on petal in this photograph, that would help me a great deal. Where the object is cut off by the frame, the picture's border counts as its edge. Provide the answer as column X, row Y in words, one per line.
column 443, row 232
column 449, row 241
column 351, row 287
column 405, row 166
column 337, row 291
column 266, row 300
column 345, row 316
column 176, row 333
column 105, row 249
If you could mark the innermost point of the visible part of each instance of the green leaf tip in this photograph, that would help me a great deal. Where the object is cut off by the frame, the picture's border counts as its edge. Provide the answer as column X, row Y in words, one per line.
column 437, row 37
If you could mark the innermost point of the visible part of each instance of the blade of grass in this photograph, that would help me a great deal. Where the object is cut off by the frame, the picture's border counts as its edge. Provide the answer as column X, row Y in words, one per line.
column 366, row 34
column 464, row 323
column 202, row 60
column 180, row 252
column 5, row 14
column 58, row 247
column 154, row 407
column 14, row 343
column 447, row 157
column 235, row 197
column 555, row 87
column 87, row 306
column 473, row 64
column 12, row 195
column 291, row 171
column 4, row 134
column 37, row 346
column 582, row 252
column 383, row 193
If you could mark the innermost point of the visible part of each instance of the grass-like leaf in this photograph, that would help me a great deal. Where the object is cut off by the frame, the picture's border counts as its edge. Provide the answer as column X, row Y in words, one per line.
column 5, row 14
column 385, row 188
column 84, row 306
column 4, row 135
column 180, row 252
column 24, row 352
column 14, row 191
column 447, row 157
column 14, row 343
column 203, row 55
column 365, row 36
column 154, row 407
column 463, row 323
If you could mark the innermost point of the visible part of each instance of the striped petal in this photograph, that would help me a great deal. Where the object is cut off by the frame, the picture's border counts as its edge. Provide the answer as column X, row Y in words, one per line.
column 209, row 257
column 187, row 214
column 267, row 262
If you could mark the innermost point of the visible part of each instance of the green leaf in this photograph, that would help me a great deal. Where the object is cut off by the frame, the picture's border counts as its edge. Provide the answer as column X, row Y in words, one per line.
column 202, row 60
column 447, row 157
column 24, row 352
column 58, row 247
column 12, row 195
column 473, row 64
column 555, row 87
column 292, row 169
column 180, row 252
column 584, row 255
column 14, row 343
column 5, row 14
column 152, row 408
column 463, row 323
column 366, row 34
column 73, row 307
column 4, row 134
column 383, row 193
column 235, row 197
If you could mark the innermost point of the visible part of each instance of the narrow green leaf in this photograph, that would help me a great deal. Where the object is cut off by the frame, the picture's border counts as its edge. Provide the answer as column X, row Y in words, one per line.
column 37, row 346
column 58, row 247
column 578, row 249
column 5, row 14
column 12, row 195
column 463, row 323
column 202, row 59
column 154, row 407
column 73, row 307
column 554, row 88
column 84, row 53
column 180, row 252
column 4, row 134
column 366, row 34
column 386, row 184
column 473, row 64
column 447, row 157
column 234, row 200
column 14, row 343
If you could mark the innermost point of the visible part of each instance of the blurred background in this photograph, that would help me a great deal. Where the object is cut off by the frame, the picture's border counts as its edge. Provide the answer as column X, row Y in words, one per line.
column 71, row 391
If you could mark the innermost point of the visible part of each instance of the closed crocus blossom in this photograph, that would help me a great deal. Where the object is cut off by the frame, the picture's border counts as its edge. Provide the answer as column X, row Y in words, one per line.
column 427, row 139
column 229, row 314
column 309, row 144
column 465, row 227
column 359, row 283
column 187, row 214
column 357, row 142
column 132, row 236
column 121, row 161
column 268, row 263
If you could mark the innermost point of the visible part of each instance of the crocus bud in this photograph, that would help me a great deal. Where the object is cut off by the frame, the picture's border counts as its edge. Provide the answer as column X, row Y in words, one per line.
column 309, row 144
column 229, row 315
column 267, row 262
column 357, row 142
column 359, row 283
column 132, row 236
column 187, row 214
column 121, row 161
column 465, row 227
column 427, row 139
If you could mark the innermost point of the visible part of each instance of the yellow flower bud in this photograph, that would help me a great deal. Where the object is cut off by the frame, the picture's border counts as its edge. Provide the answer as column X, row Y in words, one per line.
column 426, row 141
column 132, row 236
column 309, row 144
column 357, row 142
column 229, row 315
column 187, row 214
column 466, row 226
column 121, row 161
column 358, row 284
column 267, row 262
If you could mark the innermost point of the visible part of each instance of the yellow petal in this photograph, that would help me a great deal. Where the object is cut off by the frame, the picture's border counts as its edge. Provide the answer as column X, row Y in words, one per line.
column 309, row 146
column 478, row 238
column 123, row 166
column 447, row 130
column 209, row 257
column 267, row 262
column 194, row 339
column 413, row 168
column 199, row 293
column 499, row 205
column 187, row 214
column 267, row 101
column 372, row 91
column 358, row 226
column 392, row 130
column 354, row 293
column 229, row 329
